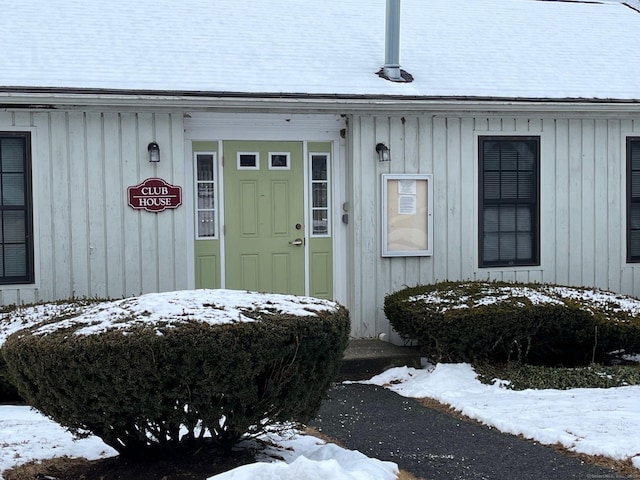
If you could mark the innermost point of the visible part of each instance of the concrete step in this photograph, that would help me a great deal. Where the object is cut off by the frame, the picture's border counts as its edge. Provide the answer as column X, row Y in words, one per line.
column 365, row 358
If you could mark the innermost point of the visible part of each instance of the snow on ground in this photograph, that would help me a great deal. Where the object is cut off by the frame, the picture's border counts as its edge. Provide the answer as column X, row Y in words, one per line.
column 594, row 421
column 27, row 435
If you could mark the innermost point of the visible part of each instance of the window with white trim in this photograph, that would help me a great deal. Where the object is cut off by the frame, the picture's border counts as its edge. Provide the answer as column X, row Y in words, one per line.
column 205, row 195
column 320, row 193
column 16, row 224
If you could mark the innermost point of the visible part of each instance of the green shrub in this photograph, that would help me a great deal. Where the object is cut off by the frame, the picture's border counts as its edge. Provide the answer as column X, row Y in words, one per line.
column 17, row 317
column 154, row 385
column 500, row 322
column 517, row 376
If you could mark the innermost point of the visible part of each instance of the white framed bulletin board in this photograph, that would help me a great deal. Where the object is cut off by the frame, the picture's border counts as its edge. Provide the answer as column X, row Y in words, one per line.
column 407, row 215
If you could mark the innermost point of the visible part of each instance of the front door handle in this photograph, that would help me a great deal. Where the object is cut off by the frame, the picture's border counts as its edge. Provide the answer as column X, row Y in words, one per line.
column 297, row 242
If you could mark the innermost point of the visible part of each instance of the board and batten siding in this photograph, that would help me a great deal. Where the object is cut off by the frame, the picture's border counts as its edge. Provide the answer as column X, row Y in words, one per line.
column 582, row 204
column 88, row 241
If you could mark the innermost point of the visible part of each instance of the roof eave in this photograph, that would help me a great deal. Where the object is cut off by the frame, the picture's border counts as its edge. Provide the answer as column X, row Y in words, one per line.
column 49, row 98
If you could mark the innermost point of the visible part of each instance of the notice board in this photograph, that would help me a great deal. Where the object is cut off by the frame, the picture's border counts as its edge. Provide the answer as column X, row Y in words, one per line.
column 407, row 217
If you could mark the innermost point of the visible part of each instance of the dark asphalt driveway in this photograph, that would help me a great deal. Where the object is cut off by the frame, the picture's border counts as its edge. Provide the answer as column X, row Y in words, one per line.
column 436, row 446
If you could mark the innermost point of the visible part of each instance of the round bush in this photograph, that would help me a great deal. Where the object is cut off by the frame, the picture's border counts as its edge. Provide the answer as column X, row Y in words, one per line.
column 184, row 367
column 498, row 322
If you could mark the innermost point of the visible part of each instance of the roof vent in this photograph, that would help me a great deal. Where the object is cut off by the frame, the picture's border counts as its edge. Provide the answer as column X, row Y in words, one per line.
column 391, row 70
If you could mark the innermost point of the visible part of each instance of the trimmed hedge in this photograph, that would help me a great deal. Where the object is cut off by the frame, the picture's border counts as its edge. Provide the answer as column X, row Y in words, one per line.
column 157, row 386
column 500, row 322
column 17, row 317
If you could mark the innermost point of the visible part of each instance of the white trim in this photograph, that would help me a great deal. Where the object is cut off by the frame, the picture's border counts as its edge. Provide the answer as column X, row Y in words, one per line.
column 35, row 218
column 386, row 252
column 329, row 206
column 201, row 126
column 305, row 217
column 221, row 206
column 345, row 105
column 216, row 226
column 486, row 272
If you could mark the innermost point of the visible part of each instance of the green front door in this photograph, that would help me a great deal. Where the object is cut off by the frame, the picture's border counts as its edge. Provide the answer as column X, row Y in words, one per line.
column 264, row 216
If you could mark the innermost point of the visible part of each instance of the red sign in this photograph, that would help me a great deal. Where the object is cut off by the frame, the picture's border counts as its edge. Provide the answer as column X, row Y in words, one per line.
column 154, row 195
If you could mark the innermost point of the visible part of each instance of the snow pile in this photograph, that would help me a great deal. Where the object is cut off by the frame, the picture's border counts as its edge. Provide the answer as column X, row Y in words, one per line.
column 168, row 308
column 592, row 421
column 489, row 293
column 306, row 457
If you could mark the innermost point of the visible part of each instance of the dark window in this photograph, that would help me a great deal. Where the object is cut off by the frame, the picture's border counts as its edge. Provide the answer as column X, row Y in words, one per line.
column 509, row 203
column 16, row 240
column 633, row 199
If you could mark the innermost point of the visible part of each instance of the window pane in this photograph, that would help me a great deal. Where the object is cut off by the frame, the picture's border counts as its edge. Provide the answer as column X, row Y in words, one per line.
column 279, row 160
column 248, row 160
column 206, row 224
column 319, row 167
column 491, row 157
column 635, row 154
column 12, row 155
column 320, row 222
column 492, row 219
column 15, row 260
column 13, row 227
column 509, row 185
column 508, row 247
column 508, row 157
column 491, row 247
column 634, row 216
column 634, row 243
column 205, row 167
column 13, row 189
column 524, row 220
column 206, row 195
column 319, row 195
column 526, row 184
column 508, row 219
column 524, row 246
column 491, row 185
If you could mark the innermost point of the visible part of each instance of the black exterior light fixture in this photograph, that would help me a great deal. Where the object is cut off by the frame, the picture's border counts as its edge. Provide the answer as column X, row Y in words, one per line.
column 154, row 152
column 384, row 154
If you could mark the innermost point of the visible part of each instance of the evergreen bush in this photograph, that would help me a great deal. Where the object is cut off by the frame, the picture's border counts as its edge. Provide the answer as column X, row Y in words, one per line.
column 477, row 321
column 151, row 386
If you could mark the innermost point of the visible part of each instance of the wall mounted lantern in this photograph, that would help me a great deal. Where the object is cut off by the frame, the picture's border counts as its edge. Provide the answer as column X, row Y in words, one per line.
column 384, row 154
column 154, row 152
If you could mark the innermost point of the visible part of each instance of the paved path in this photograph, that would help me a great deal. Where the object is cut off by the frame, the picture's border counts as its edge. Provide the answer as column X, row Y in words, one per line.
column 436, row 446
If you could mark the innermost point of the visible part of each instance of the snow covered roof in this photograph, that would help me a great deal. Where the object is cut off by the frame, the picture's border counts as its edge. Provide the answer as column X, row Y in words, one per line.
column 533, row 49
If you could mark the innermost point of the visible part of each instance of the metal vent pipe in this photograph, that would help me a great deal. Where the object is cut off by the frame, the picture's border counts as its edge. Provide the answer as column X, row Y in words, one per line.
column 392, row 41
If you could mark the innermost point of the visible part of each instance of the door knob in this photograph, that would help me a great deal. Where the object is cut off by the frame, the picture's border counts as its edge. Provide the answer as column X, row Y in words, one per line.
column 297, row 242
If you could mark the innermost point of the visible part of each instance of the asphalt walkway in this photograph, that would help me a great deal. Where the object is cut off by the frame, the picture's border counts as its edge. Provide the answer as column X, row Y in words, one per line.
column 434, row 445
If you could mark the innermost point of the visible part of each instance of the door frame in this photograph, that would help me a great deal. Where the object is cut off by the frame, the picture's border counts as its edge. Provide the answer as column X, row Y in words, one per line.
column 269, row 127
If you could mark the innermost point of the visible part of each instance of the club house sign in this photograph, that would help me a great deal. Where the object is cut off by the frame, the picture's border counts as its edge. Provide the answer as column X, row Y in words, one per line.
column 154, row 195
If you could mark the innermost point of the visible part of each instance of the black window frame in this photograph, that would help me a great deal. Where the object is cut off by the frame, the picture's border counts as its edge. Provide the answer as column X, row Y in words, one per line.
column 27, row 209
column 533, row 203
column 631, row 200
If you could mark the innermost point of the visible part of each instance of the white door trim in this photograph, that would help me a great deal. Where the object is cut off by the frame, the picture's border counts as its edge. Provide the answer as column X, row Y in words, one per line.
column 270, row 127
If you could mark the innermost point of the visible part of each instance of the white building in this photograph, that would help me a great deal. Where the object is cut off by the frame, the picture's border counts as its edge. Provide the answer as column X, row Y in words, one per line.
column 513, row 137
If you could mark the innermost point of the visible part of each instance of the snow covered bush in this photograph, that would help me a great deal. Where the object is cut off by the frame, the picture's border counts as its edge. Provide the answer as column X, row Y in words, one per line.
column 495, row 321
column 163, row 370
